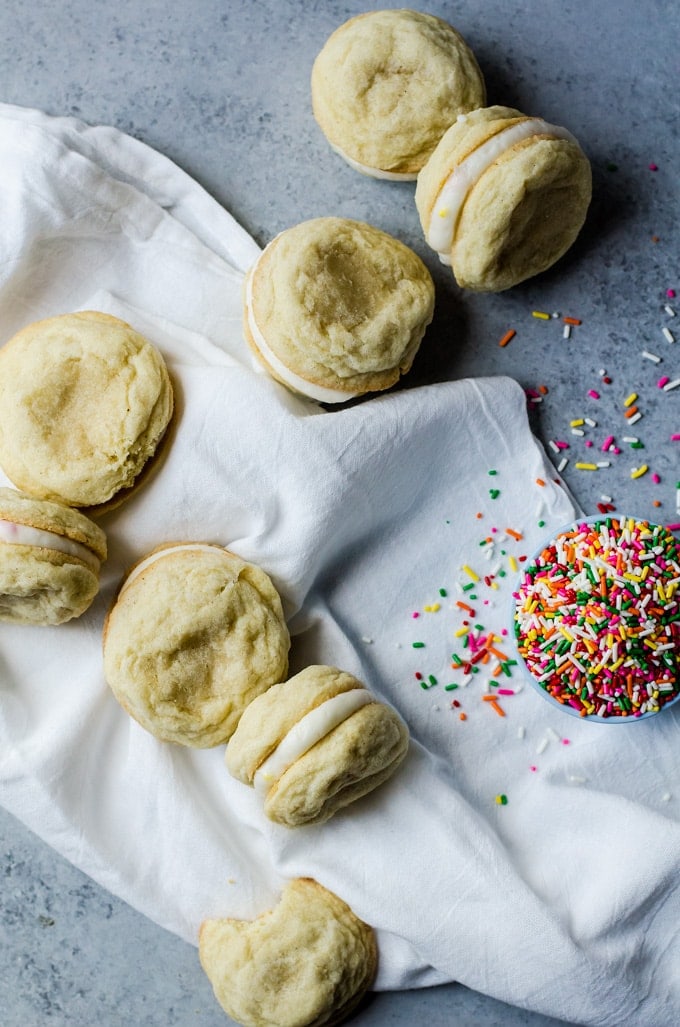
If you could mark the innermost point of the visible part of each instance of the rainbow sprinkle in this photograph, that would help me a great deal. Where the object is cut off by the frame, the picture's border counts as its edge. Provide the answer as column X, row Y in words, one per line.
column 597, row 618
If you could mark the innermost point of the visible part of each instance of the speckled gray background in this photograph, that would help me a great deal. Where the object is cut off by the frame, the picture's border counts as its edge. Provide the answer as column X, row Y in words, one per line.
column 223, row 89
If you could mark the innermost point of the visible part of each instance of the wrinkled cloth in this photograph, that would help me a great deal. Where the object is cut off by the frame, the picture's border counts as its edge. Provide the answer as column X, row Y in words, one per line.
column 530, row 856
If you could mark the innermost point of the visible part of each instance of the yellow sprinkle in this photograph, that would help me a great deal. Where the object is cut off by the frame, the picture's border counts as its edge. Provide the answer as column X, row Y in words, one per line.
column 443, row 212
column 468, row 570
column 567, row 634
column 586, row 467
column 610, row 640
column 615, row 666
column 577, row 423
column 432, row 608
column 629, row 400
column 540, row 314
column 461, row 632
column 637, row 472
column 514, row 566
column 659, row 588
column 495, row 585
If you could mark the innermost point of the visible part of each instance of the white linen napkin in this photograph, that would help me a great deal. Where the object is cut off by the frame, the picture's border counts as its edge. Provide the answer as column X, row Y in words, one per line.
column 529, row 856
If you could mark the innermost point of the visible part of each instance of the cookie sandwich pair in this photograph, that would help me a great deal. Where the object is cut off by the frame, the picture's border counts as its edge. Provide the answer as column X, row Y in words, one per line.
column 196, row 651
column 85, row 402
column 501, row 196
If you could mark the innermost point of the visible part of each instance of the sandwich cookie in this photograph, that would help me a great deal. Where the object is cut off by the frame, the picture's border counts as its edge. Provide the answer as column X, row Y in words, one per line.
column 84, row 403
column 306, row 963
column 50, row 556
column 315, row 743
column 194, row 635
column 503, row 197
column 335, row 308
column 387, row 85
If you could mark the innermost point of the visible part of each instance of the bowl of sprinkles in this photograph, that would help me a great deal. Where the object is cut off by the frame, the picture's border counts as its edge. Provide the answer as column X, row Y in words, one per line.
column 596, row 619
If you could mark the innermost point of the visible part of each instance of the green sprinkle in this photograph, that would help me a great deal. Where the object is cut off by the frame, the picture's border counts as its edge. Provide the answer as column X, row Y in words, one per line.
column 456, row 659
column 432, row 679
column 493, row 472
column 541, row 524
column 418, row 645
column 494, row 493
column 443, row 592
column 637, row 445
column 450, row 688
column 467, row 588
column 501, row 800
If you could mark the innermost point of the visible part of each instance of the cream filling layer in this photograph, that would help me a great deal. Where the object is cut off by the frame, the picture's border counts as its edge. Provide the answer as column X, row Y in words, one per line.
column 143, row 564
column 366, row 169
column 318, row 392
column 314, row 726
column 454, row 191
column 25, row 535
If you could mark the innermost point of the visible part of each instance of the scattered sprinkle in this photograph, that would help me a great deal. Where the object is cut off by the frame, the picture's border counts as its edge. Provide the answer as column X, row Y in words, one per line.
column 510, row 334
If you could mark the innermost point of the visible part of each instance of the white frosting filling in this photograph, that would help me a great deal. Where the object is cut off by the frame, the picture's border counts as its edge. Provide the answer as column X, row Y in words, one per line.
column 454, row 191
column 314, row 726
column 25, row 535
column 294, row 381
column 168, row 551
column 366, row 169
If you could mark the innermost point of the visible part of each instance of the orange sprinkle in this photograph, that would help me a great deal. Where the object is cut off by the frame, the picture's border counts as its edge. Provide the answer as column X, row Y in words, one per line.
column 543, row 389
column 539, row 481
column 464, row 606
column 630, row 411
column 479, row 516
column 510, row 334
column 517, row 534
column 462, row 716
column 497, row 671
column 496, row 706
column 571, row 321
column 657, row 502
column 497, row 653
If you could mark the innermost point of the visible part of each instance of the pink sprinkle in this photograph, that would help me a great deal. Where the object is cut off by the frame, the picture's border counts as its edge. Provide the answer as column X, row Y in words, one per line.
column 588, row 443
column 593, row 394
column 670, row 293
column 607, row 443
column 565, row 741
column 615, row 450
column 533, row 769
column 415, row 614
column 505, row 691
column 561, row 445
column 655, row 478
column 675, row 437
column 663, row 381
column 674, row 527
column 653, row 167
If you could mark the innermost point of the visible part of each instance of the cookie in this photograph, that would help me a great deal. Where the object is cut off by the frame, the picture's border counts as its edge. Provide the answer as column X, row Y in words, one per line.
column 50, row 557
column 194, row 635
column 306, row 963
column 387, row 85
column 503, row 197
column 315, row 743
column 335, row 308
column 84, row 403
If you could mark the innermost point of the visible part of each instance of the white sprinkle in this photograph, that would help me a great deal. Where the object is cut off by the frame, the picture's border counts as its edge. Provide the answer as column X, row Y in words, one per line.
column 589, row 421
column 668, row 334
column 555, row 448
column 368, row 641
column 553, row 734
column 577, row 431
column 555, row 313
column 604, row 463
column 671, row 385
column 634, row 418
column 669, row 310
column 521, row 732
column 573, row 779
column 542, row 746
column 563, row 463
column 666, row 797
column 606, row 499
column 566, row 332
column 651, row 356
column 630, row 438
column 602, row 372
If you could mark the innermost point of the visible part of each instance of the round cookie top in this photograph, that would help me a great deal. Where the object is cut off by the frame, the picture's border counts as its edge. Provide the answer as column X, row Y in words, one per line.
column 195, row 634
column 84, row 402
column 386, row 86
column 45, row 515
column 340, row 304
column 503, row 197
column 305, row 963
